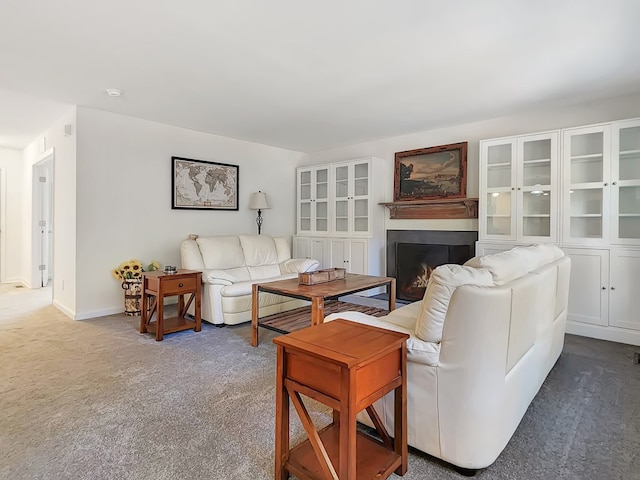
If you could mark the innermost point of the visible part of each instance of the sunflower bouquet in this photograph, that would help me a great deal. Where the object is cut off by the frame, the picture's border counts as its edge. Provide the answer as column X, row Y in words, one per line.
column 132, row 269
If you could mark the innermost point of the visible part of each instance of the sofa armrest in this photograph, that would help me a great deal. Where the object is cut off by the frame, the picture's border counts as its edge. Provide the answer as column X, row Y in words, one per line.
column 297, row 265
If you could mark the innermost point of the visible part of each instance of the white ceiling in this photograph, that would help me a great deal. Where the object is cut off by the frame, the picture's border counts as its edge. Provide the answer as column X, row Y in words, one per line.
column 309, row 75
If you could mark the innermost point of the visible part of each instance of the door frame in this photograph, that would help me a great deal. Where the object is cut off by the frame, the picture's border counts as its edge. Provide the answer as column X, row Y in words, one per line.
column 47, row 160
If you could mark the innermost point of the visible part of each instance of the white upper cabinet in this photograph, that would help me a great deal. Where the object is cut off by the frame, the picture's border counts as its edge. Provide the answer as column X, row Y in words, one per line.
column 352, row 199
column 519, row 188
column 602, row 184
column 625, row 183
column 313, row 200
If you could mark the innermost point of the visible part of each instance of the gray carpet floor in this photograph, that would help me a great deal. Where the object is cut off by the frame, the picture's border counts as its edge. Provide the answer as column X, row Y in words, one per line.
column 97, row 400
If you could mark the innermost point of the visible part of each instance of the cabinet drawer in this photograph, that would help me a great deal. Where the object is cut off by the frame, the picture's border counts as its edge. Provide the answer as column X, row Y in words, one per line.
column 176, row 286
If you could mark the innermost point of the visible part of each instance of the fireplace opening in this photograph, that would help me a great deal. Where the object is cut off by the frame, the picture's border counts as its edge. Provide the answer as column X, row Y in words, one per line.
column 416, row 261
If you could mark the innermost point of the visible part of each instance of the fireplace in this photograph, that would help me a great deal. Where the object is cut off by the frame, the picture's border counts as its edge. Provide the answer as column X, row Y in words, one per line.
column 413, row 254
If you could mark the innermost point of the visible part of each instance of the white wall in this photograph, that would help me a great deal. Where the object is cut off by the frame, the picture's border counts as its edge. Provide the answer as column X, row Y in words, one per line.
column 124, row 197
column 542, row 119
column 11, row 214
column 64, row 209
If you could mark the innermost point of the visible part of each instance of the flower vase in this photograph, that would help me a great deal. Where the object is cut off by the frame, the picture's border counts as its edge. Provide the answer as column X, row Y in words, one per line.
column 132, row 294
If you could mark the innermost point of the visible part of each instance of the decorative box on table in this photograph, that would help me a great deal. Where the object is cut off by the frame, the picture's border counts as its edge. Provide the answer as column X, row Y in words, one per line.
column 321, row 276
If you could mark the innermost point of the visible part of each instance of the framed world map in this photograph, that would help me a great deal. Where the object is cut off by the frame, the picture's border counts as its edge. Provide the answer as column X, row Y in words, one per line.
column 201, row 185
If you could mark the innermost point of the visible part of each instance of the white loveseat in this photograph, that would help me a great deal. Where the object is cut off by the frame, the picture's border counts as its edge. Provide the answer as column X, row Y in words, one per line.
column 483, row 340
column 231, row 264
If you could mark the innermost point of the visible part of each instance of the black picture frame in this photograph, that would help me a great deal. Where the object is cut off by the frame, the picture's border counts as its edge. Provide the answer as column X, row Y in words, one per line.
column 203, row 185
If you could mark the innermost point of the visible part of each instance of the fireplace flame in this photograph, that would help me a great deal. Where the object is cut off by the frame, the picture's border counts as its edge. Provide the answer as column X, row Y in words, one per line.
column 422, row 279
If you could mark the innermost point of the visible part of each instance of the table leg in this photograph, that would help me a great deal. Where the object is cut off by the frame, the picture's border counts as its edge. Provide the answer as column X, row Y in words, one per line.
column 348, row 433
column 255, row 310
column 198, row 307
column 282, row 418
column 160, row 314
column 391, row 292
column 317, row 310
column 143, row 313
column 400, row 417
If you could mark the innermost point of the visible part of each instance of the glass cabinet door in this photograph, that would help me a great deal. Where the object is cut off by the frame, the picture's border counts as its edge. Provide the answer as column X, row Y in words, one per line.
column 586, row 191
column 361, row 197
column 498, row 170
column 321, row 200
column 537, row 187
column 625, row 183
column 304, row 200
column 341, row 176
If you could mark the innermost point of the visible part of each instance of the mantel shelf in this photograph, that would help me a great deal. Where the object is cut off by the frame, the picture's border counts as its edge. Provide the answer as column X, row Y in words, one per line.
column 429, row 209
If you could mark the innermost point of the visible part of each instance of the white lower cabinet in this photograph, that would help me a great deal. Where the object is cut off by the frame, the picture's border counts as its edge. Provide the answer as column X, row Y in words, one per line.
column 349, row 254
column 603, row 293
column 624, row 300
column 311, row 247
column 588, row 286
column 603, row 299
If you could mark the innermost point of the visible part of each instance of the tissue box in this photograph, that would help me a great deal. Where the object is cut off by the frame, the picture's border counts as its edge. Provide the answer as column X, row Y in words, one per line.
column 321, row 276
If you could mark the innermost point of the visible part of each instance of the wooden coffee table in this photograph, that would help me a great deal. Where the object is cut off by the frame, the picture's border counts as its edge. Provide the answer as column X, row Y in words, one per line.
column 317, row 294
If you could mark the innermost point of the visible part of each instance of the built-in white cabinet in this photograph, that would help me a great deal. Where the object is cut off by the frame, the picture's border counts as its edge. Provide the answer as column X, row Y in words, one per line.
column 519, row 188
column 339, row 219
column 601, row 187
column 311, row 247
column 313, row 200
column 597, row 197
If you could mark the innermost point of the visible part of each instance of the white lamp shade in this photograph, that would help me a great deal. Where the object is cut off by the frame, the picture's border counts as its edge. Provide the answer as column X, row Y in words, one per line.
column 258, row 201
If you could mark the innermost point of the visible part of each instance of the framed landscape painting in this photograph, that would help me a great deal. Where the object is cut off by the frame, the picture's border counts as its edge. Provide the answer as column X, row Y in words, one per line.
column 200, row 185
column 431, row 173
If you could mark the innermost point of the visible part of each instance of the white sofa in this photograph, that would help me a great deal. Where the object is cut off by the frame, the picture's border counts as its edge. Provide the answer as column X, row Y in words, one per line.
column 231, row 264
column 483, row 340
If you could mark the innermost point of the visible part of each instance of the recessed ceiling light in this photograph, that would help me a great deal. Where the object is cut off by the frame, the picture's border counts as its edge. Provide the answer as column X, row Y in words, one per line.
column 114, row 92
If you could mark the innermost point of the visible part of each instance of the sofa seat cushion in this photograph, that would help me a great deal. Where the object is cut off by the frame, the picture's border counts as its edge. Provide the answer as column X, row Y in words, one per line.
column 418, row 351
column 242, row 303
column 444, row 280
column 226, row 277
column 260, row 272
column 245, row 288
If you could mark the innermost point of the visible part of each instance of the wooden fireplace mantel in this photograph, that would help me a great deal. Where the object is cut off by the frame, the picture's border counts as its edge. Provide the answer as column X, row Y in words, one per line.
column 429, row 209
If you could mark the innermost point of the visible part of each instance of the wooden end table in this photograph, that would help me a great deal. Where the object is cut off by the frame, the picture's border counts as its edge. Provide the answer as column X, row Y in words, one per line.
column 160, row 285
column 347, row 366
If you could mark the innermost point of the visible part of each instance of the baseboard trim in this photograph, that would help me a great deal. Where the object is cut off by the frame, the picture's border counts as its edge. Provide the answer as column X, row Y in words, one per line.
column 63, row 309
column 611, row 334
column 98, row 313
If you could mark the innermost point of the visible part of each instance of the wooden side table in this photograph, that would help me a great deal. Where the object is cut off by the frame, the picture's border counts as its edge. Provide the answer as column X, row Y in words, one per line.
column 160, row 285
column 347, row 366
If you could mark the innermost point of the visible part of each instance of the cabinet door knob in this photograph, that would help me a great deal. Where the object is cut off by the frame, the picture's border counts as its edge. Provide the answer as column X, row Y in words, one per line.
column 614, row 183
column 606, row 184
column 613, row 288
column 604, row 288
column 513, row 188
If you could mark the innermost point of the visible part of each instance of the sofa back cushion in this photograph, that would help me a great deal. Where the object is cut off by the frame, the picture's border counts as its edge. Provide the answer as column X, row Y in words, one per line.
column 283, row 247
column 259, row 250
column 511, row 264
column 444, row 280
column 221, row 252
